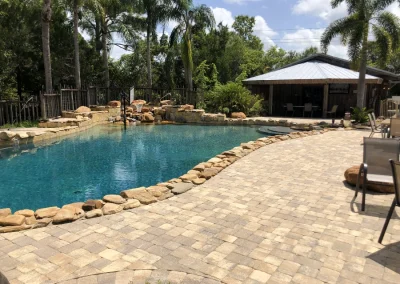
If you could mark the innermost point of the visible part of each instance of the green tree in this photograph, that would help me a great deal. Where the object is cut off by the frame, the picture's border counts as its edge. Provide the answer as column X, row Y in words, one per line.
column 46, row 19
column 244, row 25
column 365, row 16
column 190, row 19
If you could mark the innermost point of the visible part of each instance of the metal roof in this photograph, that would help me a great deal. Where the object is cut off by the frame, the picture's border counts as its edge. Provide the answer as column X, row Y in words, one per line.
column 312, row 72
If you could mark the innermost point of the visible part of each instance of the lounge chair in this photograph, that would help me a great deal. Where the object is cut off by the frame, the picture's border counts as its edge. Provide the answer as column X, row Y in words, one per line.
column 308, row 108
column 289, row 107
column 374, row 128
column 375, row 166
column 333, row 111
column 396, row 201
column 394, row 130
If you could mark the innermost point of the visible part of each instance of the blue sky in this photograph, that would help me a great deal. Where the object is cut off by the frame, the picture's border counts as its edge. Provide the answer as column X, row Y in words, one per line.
column 288, row 24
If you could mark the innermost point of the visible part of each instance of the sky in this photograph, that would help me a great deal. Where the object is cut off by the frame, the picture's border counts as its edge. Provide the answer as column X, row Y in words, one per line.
column 288, row 24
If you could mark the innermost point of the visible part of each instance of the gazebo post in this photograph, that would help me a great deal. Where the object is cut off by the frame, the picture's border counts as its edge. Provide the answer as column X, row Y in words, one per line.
column 270, row 98
column 325, row 101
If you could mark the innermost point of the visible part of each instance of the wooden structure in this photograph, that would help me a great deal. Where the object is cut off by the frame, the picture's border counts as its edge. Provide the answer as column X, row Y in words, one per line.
column 323, row 81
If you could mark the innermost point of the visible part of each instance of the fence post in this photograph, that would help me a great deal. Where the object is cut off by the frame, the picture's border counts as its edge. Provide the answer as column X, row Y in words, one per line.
column 61, row 102
column 43, row 105
column 87, row 98
column 72, row 100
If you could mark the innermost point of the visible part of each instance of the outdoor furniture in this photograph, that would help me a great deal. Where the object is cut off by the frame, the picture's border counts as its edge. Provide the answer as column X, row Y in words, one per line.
column 396, row 201
column 308, row 108
column 375, row 166
column 289, row 107
column 374, row 128
column 394, row 130
column 333, row 111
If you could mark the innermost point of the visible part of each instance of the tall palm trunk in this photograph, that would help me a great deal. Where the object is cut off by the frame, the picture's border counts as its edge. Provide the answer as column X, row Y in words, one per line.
column 105, row 52
column 363, row 69
column 148, row 42
column 76, row 47
column 46, row 19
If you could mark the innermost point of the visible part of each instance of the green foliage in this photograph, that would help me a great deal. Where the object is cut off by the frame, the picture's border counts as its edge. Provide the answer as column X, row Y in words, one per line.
column 360, row 115
column 23, row 124
column 232, row 97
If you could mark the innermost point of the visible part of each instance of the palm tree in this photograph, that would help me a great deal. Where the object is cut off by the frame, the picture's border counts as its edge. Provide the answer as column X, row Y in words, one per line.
column 157, row 11
column 365, row 16
column 189, row 20
column 46, row 19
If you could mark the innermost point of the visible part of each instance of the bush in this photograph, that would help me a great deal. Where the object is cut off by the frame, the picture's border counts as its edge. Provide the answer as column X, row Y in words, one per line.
column 360, row 115
column 232, row 97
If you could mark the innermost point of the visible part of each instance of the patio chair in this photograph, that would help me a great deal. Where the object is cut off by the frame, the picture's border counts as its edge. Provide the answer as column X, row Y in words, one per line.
column 333, row 111
column 375, row 166
column 374, row 127
column 308, row 108
column 396, row 201
column 289, row 107
column 394, row 130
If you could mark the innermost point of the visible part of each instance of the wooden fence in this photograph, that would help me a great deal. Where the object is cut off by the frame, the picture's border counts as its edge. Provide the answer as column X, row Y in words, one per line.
column 16, row 111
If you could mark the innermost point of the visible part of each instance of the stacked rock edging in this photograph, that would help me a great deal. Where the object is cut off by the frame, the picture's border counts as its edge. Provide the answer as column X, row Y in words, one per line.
column 136, row 197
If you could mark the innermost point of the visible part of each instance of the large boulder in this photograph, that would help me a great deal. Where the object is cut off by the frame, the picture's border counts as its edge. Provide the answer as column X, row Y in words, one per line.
column 114, row 104
column 82, row 109
column 94, row 213
column 63, row 215
column 181, row 187
column 111, row 208
column 239, row 115
column 188, row 177
column 12, row 220
column 208, row 173
column 351, row 175
column 187, row 107
column 166, row 102
column 147, row 117
column 5, row 212
column 134, row 102
column 130, row 204
column 7, row 135
column 92, row 205
column 114, row 198
column 48, row 212
column 25, row 212
column 140, row 194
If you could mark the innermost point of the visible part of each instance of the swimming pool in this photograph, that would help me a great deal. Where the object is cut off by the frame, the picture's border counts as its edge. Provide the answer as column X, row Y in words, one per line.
column 106, row 159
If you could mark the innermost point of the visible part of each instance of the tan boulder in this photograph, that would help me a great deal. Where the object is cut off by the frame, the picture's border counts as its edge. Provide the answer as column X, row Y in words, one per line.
column 25, row 212
column 43, row 222
column 166, row 195
column 140, row 194
column 188, row 177
column 12, row 220
column 147, row 117
column 208, row 173
column 162, row 188
column 143, row 102
column 239, row 115
column 114, row 198
column 130, row 204
column 166, row 102
column 187, row 107
column 73, row 205
column 199, row 181
column 31, row 220
column 175, row 180
column 7, row 135
column 82, row 109
column 214, row 160
column 9, row 229
column 114, row 104
column 94, row 213
column 46, row 212
column 351, row 175
column 193, row 172
column 199, row 167
column 92, row 204
column 112, row 208
column 5, row 212
column 68, row 214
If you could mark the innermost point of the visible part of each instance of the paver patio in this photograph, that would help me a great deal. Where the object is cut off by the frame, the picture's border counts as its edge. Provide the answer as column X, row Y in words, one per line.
column 280, row 215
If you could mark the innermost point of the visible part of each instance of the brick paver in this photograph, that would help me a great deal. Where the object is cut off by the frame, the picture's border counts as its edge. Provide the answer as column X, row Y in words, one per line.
column 280, row 215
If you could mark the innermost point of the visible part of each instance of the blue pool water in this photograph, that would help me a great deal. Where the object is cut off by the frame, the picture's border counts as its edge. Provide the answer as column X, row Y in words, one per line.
column 105, row 160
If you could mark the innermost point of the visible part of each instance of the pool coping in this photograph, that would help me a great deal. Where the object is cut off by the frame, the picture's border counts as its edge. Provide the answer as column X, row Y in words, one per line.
column 132, row 198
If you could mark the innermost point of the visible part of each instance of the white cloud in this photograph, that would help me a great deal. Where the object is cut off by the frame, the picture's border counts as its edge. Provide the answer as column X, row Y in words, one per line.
column 223, row 15
column 240, row 2
column 304, row 38
column 320, row 8
column 264, row 32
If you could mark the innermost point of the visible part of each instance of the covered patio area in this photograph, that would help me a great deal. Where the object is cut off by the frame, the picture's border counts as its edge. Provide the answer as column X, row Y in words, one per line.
column 321, row 81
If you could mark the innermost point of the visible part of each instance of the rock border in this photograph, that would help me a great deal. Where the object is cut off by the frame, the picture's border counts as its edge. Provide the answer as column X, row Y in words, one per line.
column 136, row 197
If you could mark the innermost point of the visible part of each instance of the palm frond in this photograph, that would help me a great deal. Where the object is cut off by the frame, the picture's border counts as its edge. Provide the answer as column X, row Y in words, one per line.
column 379, row 5
column 383, row 44
column 175, row 34
column 391, row 24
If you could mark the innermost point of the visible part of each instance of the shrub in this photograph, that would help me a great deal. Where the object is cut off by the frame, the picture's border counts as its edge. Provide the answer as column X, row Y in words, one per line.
column 232, row 97
column 360, row 115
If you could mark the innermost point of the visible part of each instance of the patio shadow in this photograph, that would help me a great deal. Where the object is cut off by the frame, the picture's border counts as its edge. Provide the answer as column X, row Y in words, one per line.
column 388, row 257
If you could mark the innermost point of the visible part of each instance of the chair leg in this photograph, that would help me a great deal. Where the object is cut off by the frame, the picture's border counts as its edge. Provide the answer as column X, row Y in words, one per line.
column 389, row 216
column 358, row 182
column 364, row 189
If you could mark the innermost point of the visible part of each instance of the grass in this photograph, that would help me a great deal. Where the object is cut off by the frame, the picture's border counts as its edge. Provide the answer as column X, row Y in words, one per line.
column 23, row 124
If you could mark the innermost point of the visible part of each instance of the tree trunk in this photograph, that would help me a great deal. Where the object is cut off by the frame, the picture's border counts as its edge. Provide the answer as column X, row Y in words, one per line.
column 46, row 18
column 104, row 32
column 76, row 47
column 362, row 70
column 148, row 42
column 19, row 83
